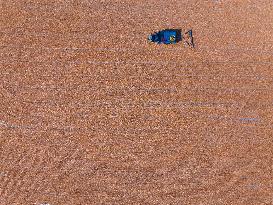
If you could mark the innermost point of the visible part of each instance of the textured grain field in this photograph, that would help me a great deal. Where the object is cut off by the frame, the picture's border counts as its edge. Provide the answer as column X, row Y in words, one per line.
column 91, row 113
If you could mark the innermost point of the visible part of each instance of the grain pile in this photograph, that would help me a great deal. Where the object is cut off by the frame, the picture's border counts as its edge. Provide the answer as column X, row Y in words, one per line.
column 90, row 113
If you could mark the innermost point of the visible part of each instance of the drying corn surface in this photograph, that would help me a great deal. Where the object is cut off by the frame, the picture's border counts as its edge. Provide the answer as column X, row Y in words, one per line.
column 91, row 112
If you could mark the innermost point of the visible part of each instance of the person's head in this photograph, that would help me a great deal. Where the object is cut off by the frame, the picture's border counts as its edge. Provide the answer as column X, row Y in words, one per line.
column 150, row 38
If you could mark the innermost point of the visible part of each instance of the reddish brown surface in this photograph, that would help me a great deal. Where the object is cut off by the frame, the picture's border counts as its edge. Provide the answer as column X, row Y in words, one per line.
column 90, row 113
